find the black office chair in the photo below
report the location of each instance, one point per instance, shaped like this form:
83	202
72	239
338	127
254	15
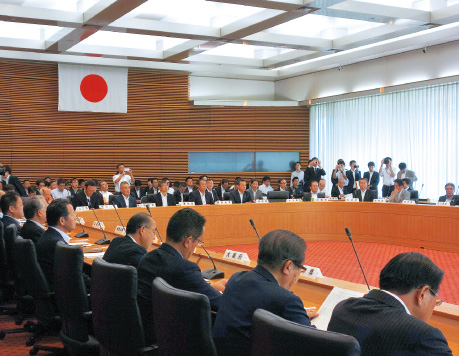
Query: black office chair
414	195
182	321
115	314
275	336
278	196
186	196
226	196
6	282
111	199
144	199
30	273
72	301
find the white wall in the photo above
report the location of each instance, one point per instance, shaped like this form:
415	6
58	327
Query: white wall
206	88
441	61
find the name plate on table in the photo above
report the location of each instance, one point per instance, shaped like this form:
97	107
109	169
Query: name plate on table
261	201
293	200
223	202
408	202
380	200
322	199
236	256
98	225
81	208
144	205
442	203
312	272
106	207
333	198
353	200
80	220
120	230
186	203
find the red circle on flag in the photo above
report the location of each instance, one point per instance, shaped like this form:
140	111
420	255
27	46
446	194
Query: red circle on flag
94	88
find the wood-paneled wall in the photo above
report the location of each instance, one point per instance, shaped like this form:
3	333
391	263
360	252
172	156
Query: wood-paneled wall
153	138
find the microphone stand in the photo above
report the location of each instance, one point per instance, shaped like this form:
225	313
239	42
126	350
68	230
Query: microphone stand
348	233
156	229
211	273
255	228
83	233
103	241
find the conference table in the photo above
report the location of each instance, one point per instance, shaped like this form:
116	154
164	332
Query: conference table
421	226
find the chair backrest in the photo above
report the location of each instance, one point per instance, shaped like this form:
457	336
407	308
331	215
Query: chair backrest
3	259
30	274
10	236
278	195
182	321
226	196
115	314
186	196
275	336
70	291
414	195
111	199
144	199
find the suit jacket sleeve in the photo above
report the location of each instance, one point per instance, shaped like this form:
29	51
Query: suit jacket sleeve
294	311
433	344
233	197
193	281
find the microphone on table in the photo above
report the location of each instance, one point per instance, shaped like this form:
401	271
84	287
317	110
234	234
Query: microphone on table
157	231
212	273
255	228
421	190
114	206
83	233
103	241
348	233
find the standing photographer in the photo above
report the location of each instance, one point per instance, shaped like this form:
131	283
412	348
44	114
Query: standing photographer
353	177
387	175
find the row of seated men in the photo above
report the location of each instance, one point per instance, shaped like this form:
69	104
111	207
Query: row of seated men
301	183
391	320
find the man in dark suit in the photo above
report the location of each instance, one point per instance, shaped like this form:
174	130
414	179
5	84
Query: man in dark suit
125	199
353	176
137	191
179	194
14	181
280	262
170	262
211	190
61	220
201	196
35	213
129	249
314	172
282	187
163	198
450	197
239	195
152	186
339	191
313	192
222	188
74	187
12	209
189	185
364	194
296	192
393	320
372	178
88	197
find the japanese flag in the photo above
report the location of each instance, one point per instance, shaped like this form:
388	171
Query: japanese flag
92	88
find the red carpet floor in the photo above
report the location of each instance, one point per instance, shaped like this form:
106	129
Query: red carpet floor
14	344
337	260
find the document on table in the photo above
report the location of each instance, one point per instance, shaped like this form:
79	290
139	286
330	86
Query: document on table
94	255
80	244
325	312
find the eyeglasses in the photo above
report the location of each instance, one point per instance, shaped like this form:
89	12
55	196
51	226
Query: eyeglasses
438	301
297	265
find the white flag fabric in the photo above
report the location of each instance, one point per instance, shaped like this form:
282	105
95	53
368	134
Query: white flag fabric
92	88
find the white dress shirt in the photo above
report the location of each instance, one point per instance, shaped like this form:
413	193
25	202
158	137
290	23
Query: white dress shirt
266	188
241	195
203	198
126	178
126	200
299	174
57	194
387	179
164	199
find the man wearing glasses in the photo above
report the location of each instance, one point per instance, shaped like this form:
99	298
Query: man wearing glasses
393	319
267	286
185	232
